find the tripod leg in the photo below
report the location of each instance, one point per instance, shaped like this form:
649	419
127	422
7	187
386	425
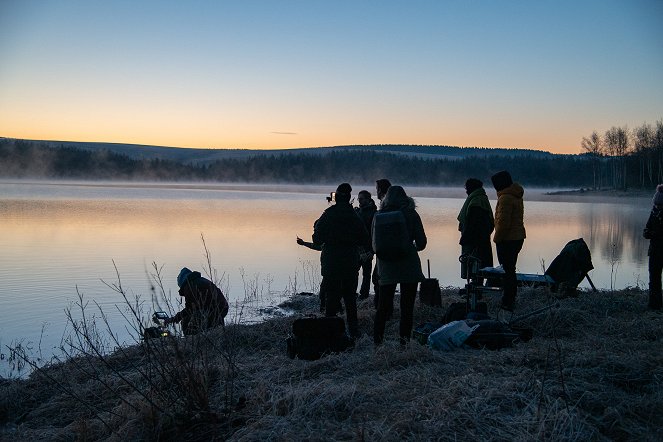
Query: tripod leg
590	282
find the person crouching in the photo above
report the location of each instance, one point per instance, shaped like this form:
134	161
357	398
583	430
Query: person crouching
205	306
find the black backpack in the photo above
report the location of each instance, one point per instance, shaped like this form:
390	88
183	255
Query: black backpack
495	335
391	239
313	337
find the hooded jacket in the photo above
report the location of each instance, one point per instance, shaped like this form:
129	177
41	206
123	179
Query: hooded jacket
205	305
509	213
407	269
654	229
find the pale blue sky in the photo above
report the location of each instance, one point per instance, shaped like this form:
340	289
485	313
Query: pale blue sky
267	74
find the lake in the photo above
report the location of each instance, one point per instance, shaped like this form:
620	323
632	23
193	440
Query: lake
62	239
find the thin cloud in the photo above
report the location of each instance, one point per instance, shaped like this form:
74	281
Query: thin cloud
285	133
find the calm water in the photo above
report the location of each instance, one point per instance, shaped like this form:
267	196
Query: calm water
58	239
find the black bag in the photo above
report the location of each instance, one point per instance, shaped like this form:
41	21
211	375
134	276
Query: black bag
459	311
430	293
571	266
315	336
494	335
391	239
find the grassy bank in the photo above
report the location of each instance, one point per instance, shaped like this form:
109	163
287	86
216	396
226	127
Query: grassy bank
593	371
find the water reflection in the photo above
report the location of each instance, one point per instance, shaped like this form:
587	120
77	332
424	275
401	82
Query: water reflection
56	239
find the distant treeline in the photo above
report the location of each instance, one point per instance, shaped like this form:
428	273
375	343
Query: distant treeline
22	159
623	158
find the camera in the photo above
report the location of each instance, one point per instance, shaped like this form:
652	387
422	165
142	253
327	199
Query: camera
331	197
160	316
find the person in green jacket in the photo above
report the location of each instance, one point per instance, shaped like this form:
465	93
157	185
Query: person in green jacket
476	223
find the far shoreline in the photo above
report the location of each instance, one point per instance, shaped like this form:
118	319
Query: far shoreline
532	193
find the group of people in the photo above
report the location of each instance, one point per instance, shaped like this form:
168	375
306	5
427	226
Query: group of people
346	238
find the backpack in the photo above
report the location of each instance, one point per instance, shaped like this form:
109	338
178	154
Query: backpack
391	239
571	266
313	337
495	335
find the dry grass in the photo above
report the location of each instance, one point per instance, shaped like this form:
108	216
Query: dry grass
593	371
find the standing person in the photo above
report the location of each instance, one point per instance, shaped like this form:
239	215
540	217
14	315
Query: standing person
205	306
404	269
365	211
509	232
381	187
321	293
340	233
476	223
654	233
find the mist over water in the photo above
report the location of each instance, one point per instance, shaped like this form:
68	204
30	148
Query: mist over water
60	238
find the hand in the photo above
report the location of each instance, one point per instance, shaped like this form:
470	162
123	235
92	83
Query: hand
300	241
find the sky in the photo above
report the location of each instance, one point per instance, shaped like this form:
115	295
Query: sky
289	74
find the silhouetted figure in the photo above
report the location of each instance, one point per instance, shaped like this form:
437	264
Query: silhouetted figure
654	233
381	187
340	232
366	210
205	306
509	232
476	223
404	269
321	294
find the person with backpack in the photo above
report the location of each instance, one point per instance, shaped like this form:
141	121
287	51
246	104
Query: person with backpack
476	223
509	232
398	236
205	306
341	233
366	211
654	233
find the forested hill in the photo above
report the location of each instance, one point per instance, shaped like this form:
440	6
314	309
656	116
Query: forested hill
423	165
206	156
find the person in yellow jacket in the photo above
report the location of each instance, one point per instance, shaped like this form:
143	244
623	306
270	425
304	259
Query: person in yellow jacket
509	233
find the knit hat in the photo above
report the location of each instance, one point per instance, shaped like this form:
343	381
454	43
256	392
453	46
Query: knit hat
181	278
501	180
658	196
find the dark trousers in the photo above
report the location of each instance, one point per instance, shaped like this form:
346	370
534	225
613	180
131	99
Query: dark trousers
366	270
507	255
376	285
655	270
386	307
345	288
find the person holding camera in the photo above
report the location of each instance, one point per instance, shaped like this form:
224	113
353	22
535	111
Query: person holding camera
340	233
205	307
654	233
